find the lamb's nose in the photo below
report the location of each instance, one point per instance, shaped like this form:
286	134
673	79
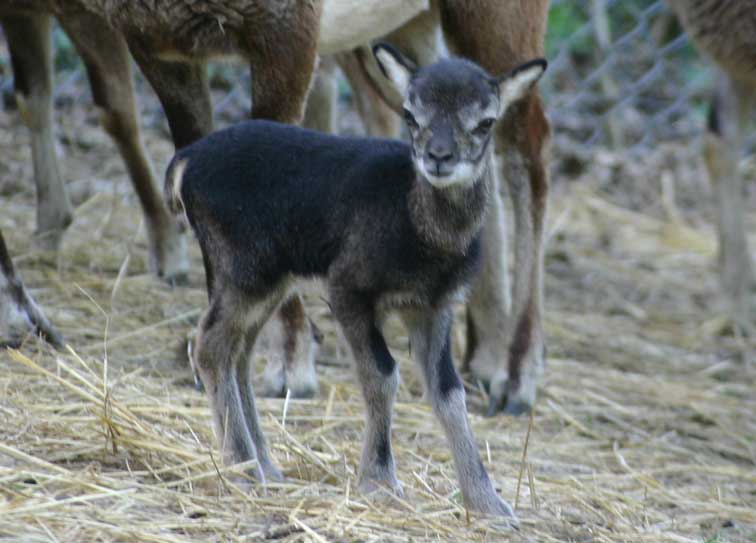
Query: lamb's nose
440	154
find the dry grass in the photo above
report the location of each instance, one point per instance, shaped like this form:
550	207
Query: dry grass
644	429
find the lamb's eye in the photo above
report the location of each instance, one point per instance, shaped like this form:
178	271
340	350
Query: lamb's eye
409	118
484	127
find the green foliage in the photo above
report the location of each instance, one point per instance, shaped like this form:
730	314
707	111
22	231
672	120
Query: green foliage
565	19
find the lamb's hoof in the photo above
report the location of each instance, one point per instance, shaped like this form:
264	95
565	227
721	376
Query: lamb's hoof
502	509
492	505
271	473
381	490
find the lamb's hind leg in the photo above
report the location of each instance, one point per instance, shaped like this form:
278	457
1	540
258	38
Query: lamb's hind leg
379	379
31	56
108	66
431	347
722	149
19	313
225	338
498	35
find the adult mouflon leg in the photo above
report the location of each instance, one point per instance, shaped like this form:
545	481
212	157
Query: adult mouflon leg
290	368
31	57
430	343
498	37
488	309
379	379
107	61
731	113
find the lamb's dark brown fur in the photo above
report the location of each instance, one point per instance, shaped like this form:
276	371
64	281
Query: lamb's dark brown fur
385	225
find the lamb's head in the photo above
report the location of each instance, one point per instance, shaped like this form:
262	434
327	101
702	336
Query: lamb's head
450	108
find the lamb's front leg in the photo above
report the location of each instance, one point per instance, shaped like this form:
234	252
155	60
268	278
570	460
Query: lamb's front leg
431	347
379	379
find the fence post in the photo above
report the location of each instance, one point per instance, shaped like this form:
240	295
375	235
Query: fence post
603	33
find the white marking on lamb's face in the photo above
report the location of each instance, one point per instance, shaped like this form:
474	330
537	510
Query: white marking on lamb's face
462	175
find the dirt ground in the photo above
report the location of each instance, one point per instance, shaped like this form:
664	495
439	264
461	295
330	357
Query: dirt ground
644	429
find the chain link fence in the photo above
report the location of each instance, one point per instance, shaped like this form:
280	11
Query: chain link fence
622	75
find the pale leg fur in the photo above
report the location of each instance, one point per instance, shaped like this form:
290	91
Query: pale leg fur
721	153
322	102
488	309
430	344
514	386
31	55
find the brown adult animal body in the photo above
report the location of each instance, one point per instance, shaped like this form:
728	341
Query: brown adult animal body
171	42
725	30
505	347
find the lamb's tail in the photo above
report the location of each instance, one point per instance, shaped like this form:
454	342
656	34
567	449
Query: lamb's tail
174	178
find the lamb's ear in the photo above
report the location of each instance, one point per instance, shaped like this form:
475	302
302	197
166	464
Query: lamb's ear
514	84
395	66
